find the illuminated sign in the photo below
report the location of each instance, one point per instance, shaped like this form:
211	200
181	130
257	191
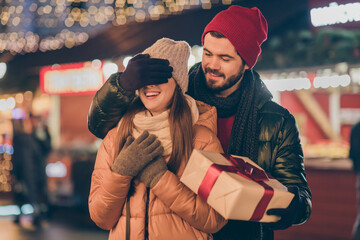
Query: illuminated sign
335	14
72	79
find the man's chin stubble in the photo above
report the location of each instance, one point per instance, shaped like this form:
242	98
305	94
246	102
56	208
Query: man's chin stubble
213	88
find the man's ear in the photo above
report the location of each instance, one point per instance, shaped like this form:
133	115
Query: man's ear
246	67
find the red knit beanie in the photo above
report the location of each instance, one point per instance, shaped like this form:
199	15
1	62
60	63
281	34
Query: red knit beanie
246	29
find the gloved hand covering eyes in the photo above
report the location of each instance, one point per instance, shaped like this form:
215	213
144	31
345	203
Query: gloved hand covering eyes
143	70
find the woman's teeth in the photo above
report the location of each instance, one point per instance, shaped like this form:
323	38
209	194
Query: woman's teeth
151	94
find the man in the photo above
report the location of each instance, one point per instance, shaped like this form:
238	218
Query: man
249	123
354	155
29	159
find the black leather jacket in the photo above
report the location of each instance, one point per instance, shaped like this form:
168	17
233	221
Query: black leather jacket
280	152
108	106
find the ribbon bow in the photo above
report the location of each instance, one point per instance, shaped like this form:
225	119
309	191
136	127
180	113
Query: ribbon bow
245	169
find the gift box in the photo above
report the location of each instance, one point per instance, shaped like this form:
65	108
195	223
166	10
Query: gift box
235	186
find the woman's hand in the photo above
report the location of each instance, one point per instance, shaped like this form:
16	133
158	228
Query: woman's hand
136	154
152	173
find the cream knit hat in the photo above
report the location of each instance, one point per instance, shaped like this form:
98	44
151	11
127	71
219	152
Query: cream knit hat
177	52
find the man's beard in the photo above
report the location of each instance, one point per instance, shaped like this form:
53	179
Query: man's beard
231	81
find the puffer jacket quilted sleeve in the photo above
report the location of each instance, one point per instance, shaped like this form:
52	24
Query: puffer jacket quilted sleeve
108	189
280	151
108	106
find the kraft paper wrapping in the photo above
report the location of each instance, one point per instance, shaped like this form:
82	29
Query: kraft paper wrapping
234	196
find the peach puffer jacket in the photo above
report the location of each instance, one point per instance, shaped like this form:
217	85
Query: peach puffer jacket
174	211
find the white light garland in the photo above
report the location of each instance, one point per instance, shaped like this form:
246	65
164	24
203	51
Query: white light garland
298	80
76	18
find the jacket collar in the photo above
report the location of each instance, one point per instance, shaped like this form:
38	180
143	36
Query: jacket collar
207	116
264	95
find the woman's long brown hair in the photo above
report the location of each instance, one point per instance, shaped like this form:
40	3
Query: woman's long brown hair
181	128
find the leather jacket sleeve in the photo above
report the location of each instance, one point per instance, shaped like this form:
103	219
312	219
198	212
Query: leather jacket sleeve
108	106
289	166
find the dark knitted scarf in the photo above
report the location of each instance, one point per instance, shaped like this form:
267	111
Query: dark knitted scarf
243	103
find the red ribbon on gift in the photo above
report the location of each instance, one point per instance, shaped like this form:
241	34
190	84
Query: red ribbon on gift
245	169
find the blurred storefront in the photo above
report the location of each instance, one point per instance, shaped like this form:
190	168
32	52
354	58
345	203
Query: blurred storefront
323	94
325	102
71	88
12	106
63	100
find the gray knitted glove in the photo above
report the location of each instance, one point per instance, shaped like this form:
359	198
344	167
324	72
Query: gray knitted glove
136	154
152	173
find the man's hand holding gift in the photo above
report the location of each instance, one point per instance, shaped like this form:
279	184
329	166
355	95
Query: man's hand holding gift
288	215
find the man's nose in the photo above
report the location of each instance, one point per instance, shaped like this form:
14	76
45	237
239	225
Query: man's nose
213	63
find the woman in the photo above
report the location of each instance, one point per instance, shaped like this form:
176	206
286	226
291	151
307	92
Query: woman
135	190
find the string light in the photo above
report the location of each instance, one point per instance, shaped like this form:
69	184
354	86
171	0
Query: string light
297	80
76	18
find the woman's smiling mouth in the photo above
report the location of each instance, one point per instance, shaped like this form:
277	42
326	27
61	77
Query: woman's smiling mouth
151	94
